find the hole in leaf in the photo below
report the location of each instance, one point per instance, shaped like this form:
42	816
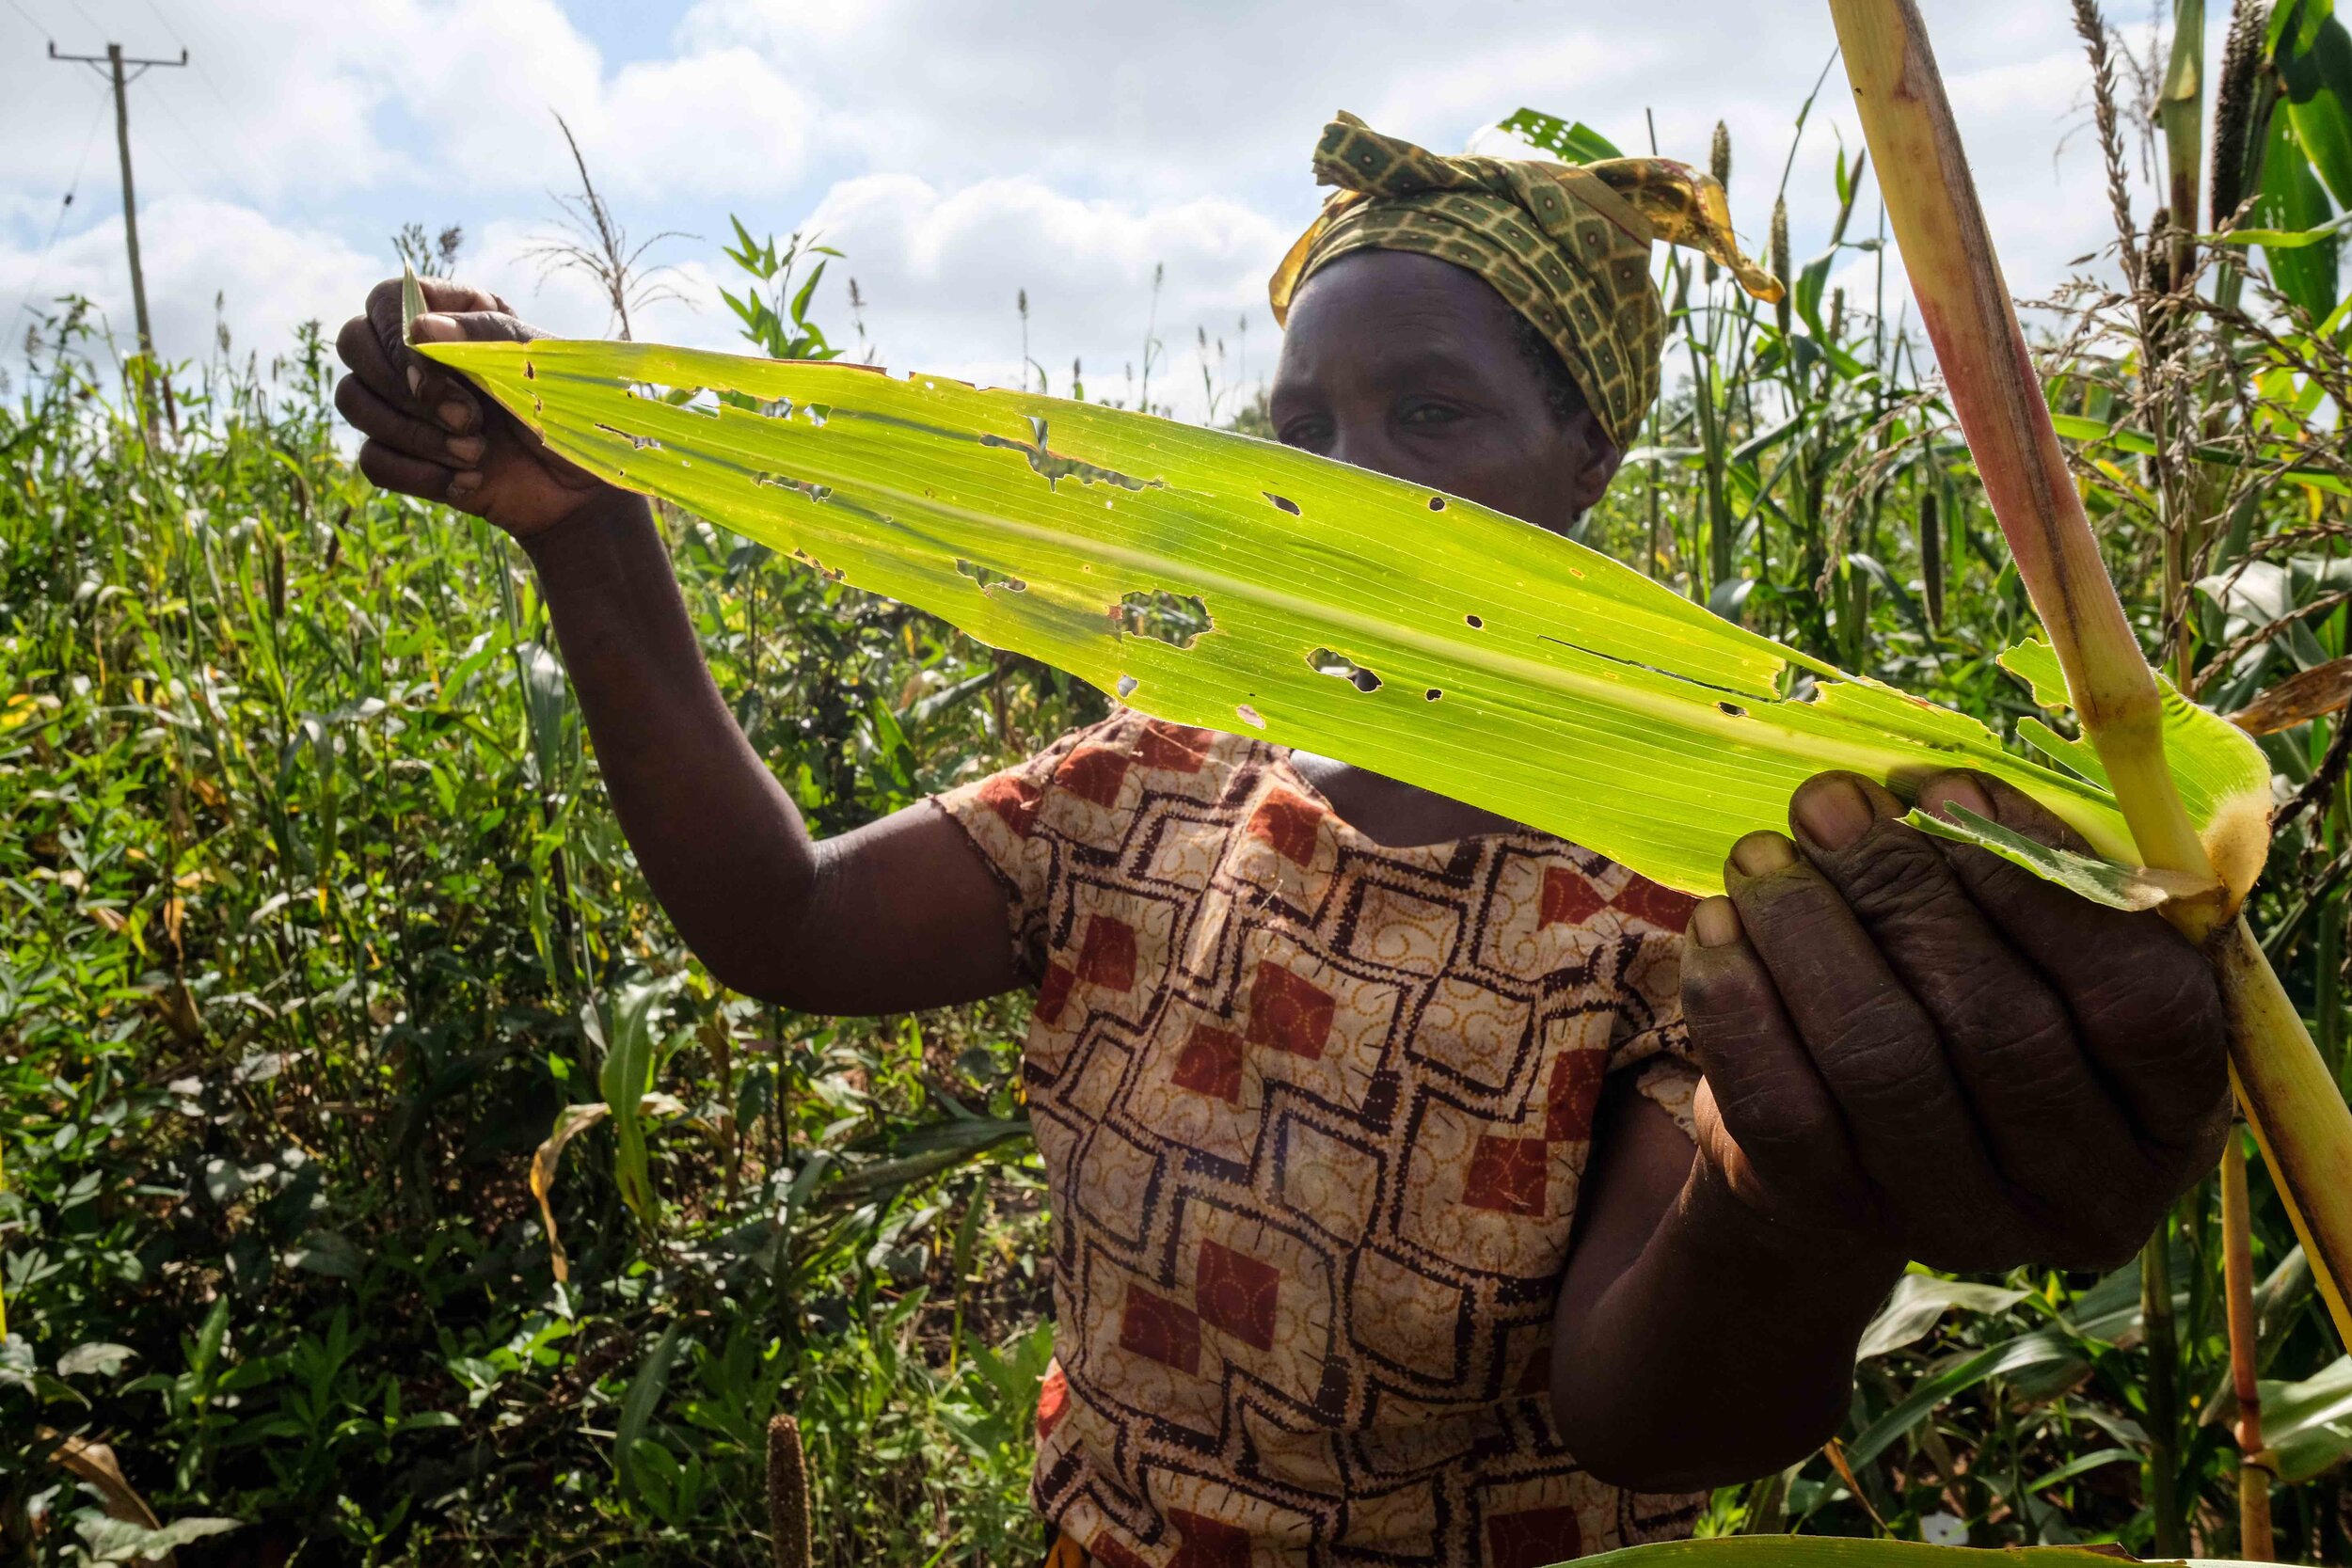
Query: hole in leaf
1734	710
1431	695
640	442
1127	685
784	482
1173	619
530	371
1281	503
1436	503
1327	662
1475	623
700	401
989	577
1250	716
1054	467
818	413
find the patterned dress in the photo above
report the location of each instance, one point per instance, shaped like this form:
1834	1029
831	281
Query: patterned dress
1314	1114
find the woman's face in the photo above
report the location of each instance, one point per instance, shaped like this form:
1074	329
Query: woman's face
1413	368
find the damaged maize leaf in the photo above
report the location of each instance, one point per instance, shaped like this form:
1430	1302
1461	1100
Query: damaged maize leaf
1330	609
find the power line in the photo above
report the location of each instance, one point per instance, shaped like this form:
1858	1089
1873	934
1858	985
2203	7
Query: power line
173	114
30	21
158	11
213	87
86	16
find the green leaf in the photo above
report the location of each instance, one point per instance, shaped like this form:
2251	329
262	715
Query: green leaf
327	1252
2220	772
98	1356
1496	663
637	1406
1918	1301
2282	239
109	1541
2318	81
1571	142
1829	1551
2295	24
629	1042
2308	1425
2119	887
2292	199
2081	427
412	301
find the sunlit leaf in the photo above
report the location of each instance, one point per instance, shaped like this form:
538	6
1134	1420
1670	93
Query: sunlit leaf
1571	141
1827	1551
1488	661
2120	887
1919	1300
2293	199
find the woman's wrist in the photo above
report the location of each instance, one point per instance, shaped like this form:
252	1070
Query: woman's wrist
1716	1221
607	528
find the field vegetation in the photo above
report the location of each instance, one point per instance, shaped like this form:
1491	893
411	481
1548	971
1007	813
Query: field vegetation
315	929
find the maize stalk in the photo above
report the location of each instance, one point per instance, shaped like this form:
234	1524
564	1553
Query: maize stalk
2257	1469
2300	1120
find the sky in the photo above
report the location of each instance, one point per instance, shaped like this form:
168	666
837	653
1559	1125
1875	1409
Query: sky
956	153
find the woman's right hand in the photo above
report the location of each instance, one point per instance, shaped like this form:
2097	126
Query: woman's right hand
433	436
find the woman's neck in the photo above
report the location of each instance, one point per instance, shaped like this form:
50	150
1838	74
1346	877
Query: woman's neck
1392	814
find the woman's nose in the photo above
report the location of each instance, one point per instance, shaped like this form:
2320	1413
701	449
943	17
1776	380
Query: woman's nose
1368	448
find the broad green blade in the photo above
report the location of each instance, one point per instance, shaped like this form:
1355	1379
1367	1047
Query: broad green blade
1829	1551
2222	775
1408	632
2124	887
412	301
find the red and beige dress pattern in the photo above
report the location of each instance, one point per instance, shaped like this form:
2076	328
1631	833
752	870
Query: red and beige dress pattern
1313	1113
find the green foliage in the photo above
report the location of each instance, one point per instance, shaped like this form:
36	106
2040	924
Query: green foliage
314	924
312	921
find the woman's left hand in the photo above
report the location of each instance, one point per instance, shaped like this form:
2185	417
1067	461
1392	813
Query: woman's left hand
1913	1045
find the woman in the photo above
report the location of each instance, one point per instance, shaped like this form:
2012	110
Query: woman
1423	1193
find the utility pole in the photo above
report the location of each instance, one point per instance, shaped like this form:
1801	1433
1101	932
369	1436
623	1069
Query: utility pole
112	66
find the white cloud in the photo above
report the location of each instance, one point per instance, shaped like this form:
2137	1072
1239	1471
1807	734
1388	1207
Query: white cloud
288	100
209	264
943	272
957	153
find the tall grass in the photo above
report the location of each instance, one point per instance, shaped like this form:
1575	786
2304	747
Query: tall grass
308	897
305	890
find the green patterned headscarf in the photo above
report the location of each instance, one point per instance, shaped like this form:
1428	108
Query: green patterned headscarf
1568	245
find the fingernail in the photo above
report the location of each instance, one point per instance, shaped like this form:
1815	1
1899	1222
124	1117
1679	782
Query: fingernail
457	414
1834	812
1715	923
1762	853
1960	790
466	449
416	381
465	483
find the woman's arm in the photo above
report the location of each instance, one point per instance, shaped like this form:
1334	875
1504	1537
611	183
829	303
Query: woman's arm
1692	1347
898	915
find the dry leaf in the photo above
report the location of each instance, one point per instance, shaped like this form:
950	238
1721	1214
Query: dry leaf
2298	698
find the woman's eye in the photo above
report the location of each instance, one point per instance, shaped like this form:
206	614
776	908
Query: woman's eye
1428	414
1306	434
